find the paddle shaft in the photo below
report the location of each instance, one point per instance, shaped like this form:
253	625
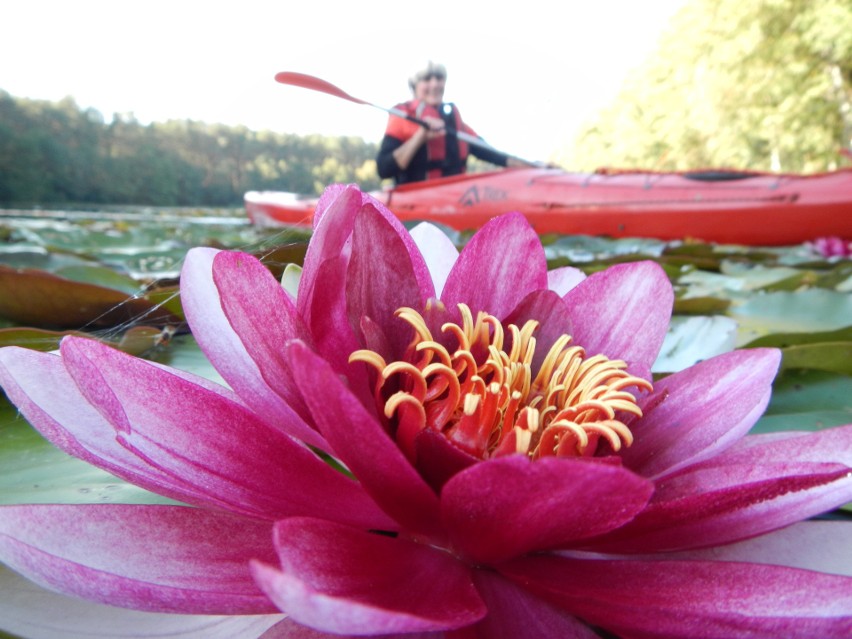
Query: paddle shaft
318	84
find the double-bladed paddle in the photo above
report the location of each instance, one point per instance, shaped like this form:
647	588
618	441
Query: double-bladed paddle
318	84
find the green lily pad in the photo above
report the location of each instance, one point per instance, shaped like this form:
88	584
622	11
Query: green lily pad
167	299
700	305
699	283
690	340
827	356
34	338
784	312
36	298
761	277
136	340
807	400
277	258
185	354
100	276
782	340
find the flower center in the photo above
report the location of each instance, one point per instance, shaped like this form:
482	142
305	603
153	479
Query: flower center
483	397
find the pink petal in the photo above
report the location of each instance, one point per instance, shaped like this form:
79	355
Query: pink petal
711	506
381	278
289	629
154	558
623	313
421	271
437	459
812	545
207	441
329	199
500	265
714	600
333	223
510	506
764	483
328	255
562	279
700	411
29	611
48	397
438	250
827	445
322	287
364	447
221	294
342	580
514	613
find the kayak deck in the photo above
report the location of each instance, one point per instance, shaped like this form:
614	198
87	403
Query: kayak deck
715	206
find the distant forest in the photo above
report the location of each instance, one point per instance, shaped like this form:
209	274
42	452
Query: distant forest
58	153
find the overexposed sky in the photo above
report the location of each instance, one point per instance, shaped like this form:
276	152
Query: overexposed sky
525	74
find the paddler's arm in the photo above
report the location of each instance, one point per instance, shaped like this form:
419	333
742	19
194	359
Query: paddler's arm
404	154
498	158
513	162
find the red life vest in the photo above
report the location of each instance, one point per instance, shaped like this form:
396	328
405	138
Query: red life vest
436	150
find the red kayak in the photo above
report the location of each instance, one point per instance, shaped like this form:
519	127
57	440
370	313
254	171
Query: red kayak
715	206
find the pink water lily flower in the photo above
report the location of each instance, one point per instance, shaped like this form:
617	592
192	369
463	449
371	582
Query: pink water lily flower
423	443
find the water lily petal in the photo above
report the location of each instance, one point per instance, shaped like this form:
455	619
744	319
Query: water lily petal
827	445
363	446
513	613
438	459
339	579
220	293
714	600
500	265
381	278
812	545
289	629
334	218
716	505
48	397
30	611
623	313
698	412
322	288
562	279
746	490
154	558
333	223
242	280
510	506
210	442
329	199
438	251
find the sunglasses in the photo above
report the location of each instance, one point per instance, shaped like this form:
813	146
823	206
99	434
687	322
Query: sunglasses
431	76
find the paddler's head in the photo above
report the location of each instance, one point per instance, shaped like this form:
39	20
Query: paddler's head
428	83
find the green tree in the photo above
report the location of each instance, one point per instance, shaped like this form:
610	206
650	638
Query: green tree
762	85
58	153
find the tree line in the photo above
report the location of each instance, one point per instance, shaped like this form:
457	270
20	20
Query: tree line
763	84
57	152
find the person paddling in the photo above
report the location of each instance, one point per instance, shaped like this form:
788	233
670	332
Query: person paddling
411	152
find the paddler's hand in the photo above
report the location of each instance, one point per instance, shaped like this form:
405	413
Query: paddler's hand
435	128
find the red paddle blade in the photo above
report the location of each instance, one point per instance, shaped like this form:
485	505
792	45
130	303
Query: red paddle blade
314	84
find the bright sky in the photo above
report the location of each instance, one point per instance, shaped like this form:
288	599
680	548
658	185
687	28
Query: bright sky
525	75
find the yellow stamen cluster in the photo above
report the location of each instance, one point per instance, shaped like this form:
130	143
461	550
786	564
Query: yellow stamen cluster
485	400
